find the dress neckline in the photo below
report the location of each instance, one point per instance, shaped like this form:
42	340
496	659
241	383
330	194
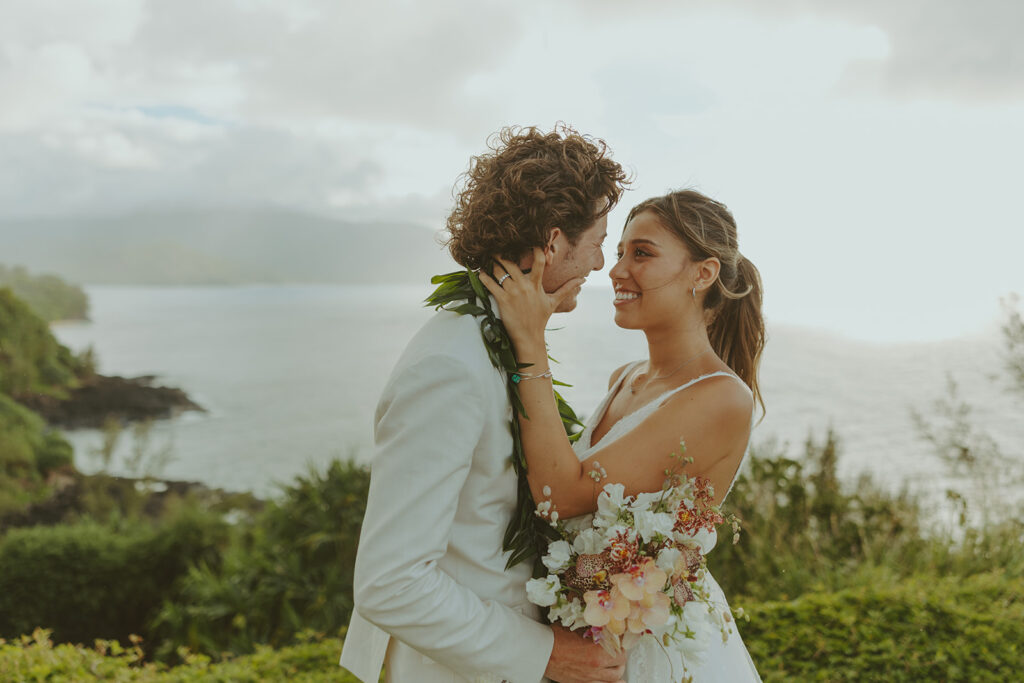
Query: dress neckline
602	407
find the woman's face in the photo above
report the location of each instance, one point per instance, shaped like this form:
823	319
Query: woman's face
652	275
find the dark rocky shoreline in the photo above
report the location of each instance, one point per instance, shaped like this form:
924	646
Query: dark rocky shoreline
101	397
76	495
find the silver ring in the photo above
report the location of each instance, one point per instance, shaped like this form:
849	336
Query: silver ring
503	278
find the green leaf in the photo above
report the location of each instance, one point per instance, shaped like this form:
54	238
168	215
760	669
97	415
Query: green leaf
447	277
526	533
467	309
478	287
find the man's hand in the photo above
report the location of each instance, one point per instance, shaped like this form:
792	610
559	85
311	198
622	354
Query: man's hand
576	660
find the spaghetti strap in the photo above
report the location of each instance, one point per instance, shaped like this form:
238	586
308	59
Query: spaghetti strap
720	373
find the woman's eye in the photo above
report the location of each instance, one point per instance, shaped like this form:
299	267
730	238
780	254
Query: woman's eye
640	252
618	255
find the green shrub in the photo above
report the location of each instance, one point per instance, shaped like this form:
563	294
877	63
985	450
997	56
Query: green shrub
88	581
54	452
921	629
31	358
805	532
924	629
291	571
36	658
28	451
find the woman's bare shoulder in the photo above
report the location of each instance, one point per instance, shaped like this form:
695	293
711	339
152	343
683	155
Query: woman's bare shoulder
721	399
616	373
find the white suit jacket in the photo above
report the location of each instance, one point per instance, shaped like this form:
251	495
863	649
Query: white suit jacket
432	595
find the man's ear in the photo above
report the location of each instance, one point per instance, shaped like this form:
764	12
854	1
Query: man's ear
551	248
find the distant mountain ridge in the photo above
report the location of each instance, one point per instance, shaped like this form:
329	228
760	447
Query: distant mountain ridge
222	246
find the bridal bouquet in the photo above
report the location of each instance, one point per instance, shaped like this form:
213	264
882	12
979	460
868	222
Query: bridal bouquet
636	566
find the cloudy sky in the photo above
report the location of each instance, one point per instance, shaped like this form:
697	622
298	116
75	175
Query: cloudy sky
871	150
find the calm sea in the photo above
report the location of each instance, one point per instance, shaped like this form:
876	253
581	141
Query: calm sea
290	376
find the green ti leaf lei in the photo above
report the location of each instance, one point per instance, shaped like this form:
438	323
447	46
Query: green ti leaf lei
527	535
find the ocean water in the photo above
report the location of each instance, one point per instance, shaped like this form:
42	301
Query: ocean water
290	376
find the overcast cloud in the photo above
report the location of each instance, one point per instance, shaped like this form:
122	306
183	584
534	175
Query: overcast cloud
870	150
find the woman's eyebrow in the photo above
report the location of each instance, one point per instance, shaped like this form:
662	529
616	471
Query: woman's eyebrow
641	240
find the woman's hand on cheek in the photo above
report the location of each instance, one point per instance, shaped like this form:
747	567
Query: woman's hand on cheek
525	306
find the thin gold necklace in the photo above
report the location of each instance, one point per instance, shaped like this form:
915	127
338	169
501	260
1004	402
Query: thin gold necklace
632	384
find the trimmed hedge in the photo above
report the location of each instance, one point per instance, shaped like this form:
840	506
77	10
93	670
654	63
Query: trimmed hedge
922	629
35	658
86	580
926	628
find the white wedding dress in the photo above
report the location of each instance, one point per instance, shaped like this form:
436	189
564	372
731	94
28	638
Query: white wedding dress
649	662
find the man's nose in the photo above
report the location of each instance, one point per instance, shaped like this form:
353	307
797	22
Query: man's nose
599	263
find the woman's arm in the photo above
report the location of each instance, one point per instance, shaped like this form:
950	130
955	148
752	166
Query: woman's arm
712	417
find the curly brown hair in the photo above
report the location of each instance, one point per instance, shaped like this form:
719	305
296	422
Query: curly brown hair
529	183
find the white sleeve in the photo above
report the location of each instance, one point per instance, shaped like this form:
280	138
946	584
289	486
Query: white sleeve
429	421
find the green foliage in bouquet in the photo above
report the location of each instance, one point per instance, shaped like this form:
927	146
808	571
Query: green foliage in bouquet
49	296
290	571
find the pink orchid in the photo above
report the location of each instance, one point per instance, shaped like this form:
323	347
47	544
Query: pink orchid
640	580
607	609
648	613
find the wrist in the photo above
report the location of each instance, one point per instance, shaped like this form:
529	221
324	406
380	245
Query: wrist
531	350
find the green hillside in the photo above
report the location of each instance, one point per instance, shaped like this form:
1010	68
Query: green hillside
225	246
49	296
31	359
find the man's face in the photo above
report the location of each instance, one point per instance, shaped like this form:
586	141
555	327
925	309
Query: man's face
573	261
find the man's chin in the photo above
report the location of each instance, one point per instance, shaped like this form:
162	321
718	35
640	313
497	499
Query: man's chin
568	304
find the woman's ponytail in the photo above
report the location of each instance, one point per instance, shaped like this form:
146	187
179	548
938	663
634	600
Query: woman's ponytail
737	331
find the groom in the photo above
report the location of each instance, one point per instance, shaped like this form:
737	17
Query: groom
433	599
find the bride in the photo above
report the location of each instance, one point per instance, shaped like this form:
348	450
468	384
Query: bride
680	279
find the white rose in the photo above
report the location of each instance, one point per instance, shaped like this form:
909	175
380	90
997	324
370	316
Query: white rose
645	501
650	524
557	558
589	542
705	540
609	503
695	620
575	525
569	612
543	592
667	559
